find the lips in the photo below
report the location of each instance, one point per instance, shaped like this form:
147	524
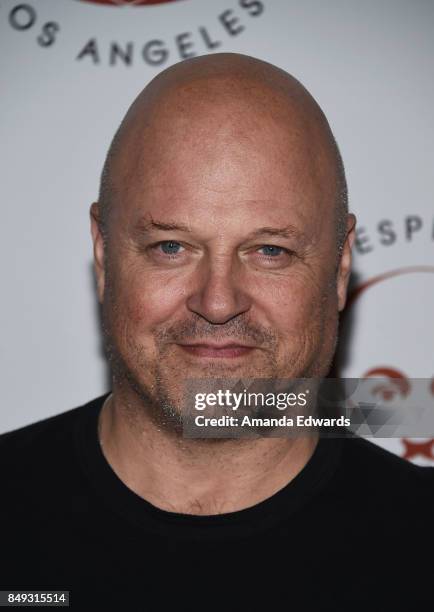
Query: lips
228	350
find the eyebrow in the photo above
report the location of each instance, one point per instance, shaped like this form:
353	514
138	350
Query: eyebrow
147	226
288	231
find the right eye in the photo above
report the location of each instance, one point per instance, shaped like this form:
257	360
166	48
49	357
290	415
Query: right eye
170	248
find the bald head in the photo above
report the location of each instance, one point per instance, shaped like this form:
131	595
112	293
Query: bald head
220	199
231	96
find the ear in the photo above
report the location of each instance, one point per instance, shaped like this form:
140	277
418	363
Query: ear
98	249
344	268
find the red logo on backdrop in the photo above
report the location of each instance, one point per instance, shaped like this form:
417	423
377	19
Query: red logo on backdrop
128	2
399	383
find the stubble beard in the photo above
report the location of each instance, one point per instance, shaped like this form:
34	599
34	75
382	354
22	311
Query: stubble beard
161	399
157	400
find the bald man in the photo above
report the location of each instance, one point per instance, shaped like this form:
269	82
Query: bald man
222	249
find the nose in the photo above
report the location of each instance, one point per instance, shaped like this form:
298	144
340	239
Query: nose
220	292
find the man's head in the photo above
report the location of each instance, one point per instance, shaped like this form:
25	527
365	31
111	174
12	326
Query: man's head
222	218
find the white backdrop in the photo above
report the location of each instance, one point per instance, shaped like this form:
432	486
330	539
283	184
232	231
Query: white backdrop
69	71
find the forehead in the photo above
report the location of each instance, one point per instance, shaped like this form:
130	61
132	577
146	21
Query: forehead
200	154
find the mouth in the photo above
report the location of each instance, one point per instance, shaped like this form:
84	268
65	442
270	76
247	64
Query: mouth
229	350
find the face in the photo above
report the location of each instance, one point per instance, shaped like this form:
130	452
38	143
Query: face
221	257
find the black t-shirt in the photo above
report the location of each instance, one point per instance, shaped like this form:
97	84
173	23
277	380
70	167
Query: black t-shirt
353	530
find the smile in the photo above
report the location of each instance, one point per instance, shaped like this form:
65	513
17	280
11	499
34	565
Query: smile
226	351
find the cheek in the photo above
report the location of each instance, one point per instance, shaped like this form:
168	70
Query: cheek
305	317
297	304
144	302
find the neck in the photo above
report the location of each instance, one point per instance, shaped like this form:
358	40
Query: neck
201	477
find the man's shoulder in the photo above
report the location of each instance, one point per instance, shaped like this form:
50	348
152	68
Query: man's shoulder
368	453
40	471
379	474
41	439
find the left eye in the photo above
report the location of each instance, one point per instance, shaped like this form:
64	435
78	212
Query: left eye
169	247
272	251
